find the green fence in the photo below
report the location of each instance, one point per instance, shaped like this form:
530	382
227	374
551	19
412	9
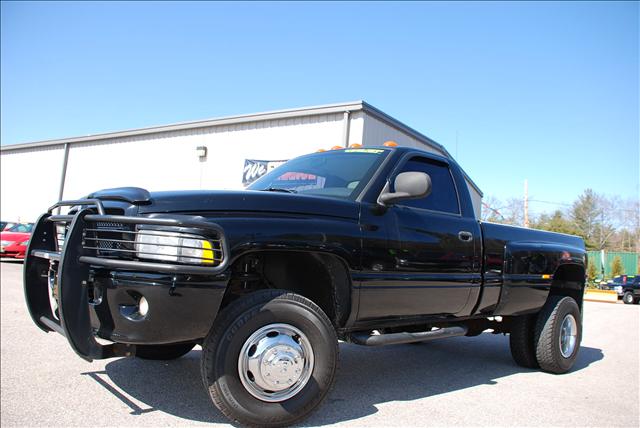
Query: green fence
629	261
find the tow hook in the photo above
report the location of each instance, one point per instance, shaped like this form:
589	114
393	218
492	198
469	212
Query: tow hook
94	291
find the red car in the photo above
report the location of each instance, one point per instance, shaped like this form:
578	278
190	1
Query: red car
14	241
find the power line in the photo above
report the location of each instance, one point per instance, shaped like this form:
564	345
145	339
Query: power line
550	202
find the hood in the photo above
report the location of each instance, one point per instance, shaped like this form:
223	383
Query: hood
249	201
14	236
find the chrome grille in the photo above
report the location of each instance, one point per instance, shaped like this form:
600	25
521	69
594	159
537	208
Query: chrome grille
111	240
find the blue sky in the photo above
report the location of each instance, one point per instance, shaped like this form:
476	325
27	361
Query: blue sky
543	91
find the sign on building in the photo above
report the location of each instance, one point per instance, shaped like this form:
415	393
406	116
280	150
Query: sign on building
254	169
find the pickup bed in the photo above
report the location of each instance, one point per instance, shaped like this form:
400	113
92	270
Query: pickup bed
374	246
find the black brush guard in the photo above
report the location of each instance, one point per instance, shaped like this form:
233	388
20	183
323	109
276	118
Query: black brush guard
70	268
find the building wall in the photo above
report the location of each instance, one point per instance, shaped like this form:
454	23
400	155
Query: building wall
167	160
29	182
271	140
476	199
161	161
377	132
356	127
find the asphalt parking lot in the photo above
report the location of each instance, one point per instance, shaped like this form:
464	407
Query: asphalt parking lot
457	381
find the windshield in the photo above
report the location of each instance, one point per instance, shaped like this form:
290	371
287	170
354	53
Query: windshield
23	228
337	173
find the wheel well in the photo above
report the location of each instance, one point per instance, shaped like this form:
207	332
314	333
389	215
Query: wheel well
322	278
569	280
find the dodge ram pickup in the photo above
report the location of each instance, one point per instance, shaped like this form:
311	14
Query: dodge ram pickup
373	246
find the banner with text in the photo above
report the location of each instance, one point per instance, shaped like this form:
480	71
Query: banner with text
254	169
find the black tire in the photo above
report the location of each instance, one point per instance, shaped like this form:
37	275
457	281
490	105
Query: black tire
234	325
163	352
627	298
548	331
521	341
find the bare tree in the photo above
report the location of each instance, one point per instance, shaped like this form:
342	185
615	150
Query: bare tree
514	211
604	222
491	210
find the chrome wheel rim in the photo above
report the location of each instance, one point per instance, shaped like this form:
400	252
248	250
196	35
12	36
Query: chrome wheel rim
568	336
275	362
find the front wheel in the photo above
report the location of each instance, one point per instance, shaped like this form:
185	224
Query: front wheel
270	359
558	334
628	298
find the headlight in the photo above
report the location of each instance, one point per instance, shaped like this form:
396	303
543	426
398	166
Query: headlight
173	247
25	243
6	243
61	233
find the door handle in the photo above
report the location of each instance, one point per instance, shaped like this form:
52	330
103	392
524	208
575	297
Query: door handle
465	236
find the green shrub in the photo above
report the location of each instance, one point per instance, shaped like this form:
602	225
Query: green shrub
616	266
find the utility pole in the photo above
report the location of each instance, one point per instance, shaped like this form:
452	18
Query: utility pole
526	203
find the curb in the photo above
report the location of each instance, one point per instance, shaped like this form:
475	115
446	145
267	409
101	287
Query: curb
607	296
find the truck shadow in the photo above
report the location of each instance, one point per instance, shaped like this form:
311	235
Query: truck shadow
366	378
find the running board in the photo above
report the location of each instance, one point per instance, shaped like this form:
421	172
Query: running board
398	338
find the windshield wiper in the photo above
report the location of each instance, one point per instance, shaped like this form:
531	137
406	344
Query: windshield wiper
276	189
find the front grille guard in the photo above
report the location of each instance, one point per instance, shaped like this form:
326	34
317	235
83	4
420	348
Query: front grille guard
71	270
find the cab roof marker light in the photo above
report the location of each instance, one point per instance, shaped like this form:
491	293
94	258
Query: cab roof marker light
390	143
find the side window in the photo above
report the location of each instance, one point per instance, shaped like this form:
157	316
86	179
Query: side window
443	195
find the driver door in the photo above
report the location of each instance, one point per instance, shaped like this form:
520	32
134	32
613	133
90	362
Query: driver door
433	255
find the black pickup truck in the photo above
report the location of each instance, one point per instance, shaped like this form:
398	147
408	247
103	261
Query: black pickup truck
373	246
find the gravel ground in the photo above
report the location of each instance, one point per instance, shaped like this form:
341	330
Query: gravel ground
453	382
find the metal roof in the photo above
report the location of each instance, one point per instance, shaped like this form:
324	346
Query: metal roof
243	118
226	120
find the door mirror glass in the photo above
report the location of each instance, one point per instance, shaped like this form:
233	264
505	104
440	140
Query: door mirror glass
407	185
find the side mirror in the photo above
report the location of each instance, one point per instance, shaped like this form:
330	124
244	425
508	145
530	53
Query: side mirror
408	185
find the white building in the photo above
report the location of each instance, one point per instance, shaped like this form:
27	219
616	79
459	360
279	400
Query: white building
36	175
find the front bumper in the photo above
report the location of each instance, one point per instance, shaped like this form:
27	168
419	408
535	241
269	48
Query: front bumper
181	307
98	296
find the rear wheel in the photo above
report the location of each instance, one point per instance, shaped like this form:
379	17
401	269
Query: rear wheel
558	334
270	359
627	298
163	352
